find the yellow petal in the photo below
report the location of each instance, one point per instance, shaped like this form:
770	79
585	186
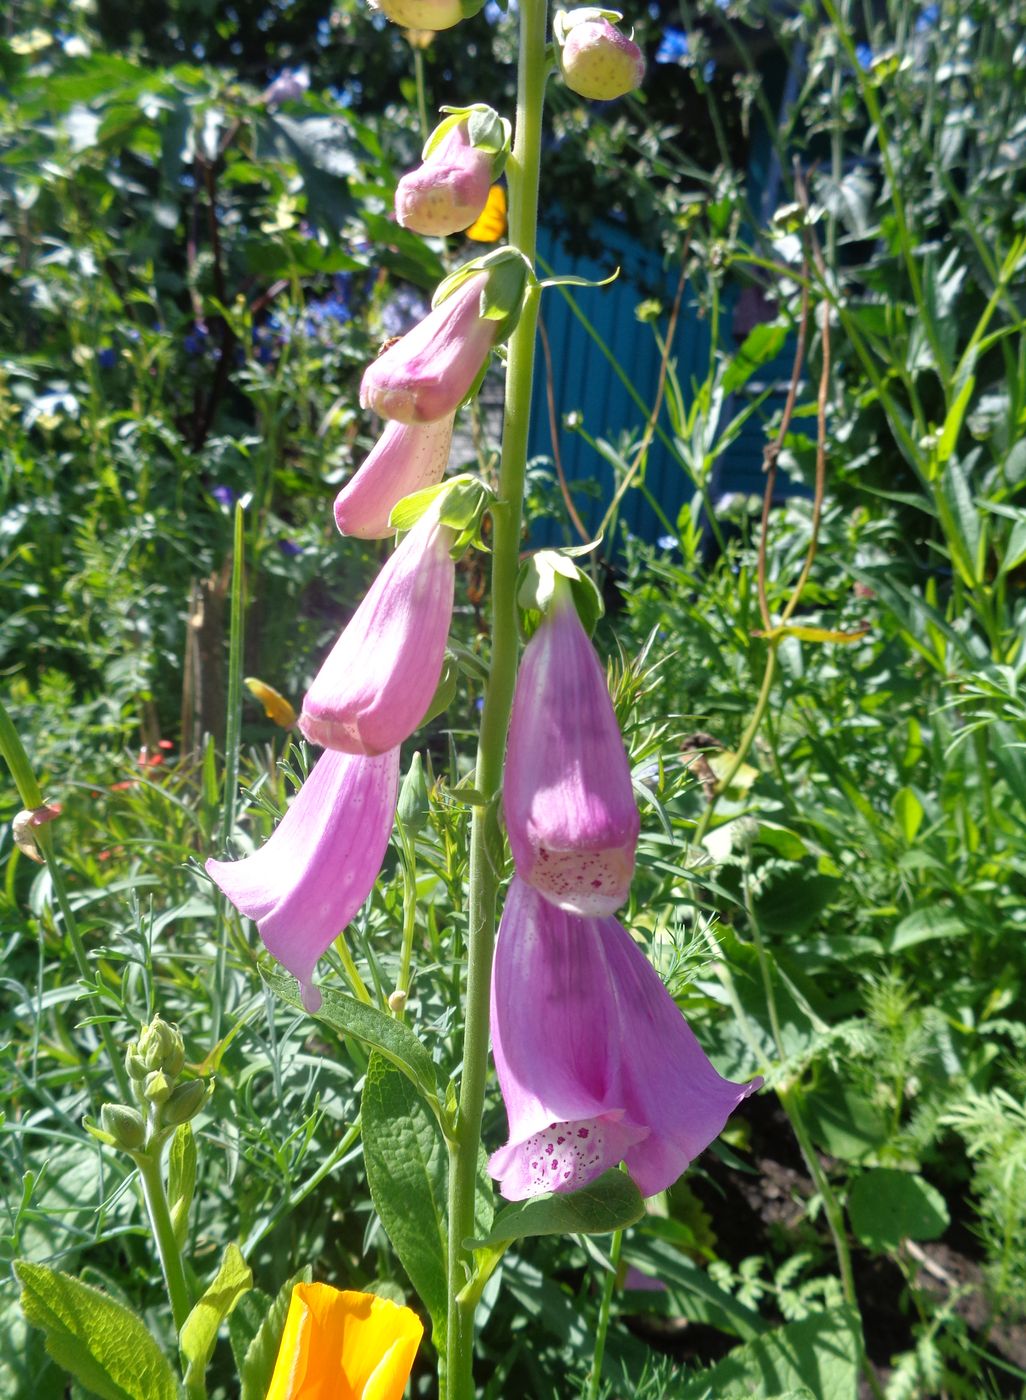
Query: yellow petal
275	705
490	224
815	634
344	1346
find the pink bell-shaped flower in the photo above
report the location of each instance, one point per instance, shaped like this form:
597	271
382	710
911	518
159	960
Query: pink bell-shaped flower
406	458
381	675
595	1061
309	880
428	373
569	805
449	191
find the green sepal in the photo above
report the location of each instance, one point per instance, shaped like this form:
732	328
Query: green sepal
539	578
414	801
460	502
486	130
444	690
509	278
471	7
572	281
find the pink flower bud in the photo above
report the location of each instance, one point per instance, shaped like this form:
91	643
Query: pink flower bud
381	676
570	810
449	191
598	61
421	14
406	458
309	880
428	373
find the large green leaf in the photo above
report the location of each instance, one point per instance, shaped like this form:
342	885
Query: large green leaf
199	1332
820	1354
391	1038
405	1157
887	1206
97	1340
612	1202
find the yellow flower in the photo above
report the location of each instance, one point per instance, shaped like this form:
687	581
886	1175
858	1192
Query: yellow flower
490	224
275	705
344	1346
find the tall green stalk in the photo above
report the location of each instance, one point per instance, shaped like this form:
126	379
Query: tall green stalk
485	841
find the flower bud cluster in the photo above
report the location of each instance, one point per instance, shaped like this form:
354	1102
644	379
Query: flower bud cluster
154	1060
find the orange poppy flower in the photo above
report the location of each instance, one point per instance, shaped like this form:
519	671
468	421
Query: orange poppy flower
344	1346
490	224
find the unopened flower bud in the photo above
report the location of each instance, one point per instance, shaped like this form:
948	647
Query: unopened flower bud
597	61
160	1047
462	157
125	1125
397	1001
134	1062
24	826
414	803
157	1088
185	1102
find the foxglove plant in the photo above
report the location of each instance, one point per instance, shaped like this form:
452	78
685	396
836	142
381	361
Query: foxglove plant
596	60
596	1063
375	687
309	880
406	458
569	804
462	158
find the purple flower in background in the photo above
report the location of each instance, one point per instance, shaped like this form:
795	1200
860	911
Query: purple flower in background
309	880
289	548
290	85
106	357
595	1061
864	54
568	800
404	308
927	19
195	342
406	458
674	46
375	687
224	496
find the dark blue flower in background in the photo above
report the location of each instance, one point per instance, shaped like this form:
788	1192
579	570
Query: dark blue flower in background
224	496
864	54
107	357
196	340
927	19
289	548
674	46
404	308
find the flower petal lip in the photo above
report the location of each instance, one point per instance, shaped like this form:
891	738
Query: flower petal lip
568	798
449	190
421	14
309	879
595	1061
379	679
406	458
428	373
343	1345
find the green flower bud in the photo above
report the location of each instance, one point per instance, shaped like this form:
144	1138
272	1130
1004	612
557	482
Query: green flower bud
160	1047
125	1125
134	1063
157	1088
413	798
185	1102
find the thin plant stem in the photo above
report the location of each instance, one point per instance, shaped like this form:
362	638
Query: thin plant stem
233	729
418	73
164	1237
356	982
30	793
605	1308
485	840
409	865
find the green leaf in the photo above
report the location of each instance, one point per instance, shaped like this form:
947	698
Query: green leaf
258	1367
762	344
383	1033
887	1206
199	1332
694	1293
923	925
103	1345
908	811
819	1354
612	1202
405	1157
181	1179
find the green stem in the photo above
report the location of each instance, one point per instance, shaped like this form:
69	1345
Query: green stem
418	72
747	739
233	730
164	1237
605	1308
356	983
30	793
409	864
485	839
